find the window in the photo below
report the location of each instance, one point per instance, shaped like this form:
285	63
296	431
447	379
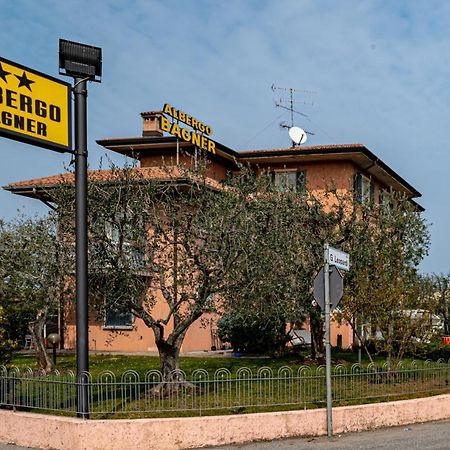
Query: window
116	315
112	232
385	199
130	250
115	319
364	189
293	181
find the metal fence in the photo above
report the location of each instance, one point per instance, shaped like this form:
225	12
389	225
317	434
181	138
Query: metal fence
136	394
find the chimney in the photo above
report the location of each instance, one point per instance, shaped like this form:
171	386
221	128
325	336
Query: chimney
151	123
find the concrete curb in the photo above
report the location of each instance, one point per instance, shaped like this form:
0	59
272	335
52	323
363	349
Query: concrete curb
52	432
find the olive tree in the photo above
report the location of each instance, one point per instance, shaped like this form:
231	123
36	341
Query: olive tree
33	270
383	289
272	280
441	291
164	236
7	345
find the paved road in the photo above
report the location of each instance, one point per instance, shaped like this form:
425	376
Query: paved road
433	435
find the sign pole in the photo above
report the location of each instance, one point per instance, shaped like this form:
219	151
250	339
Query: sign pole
328	290
326	277
82	344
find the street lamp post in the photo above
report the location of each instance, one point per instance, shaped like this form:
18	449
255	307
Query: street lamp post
54	339
83	63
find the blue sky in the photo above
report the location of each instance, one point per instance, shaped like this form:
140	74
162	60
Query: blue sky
380	70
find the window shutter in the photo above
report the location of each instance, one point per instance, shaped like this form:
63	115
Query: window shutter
301	181
372	193
357	187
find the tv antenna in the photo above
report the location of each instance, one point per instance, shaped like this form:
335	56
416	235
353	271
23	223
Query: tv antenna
297	135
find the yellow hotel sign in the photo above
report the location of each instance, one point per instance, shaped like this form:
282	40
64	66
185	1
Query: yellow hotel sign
196	137
34	107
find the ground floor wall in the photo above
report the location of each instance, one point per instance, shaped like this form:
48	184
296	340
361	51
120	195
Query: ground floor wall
201	336
341	334
54	432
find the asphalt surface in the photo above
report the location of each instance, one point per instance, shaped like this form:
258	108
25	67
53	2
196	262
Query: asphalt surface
432	435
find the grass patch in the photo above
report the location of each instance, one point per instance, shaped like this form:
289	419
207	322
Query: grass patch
227	392
120	363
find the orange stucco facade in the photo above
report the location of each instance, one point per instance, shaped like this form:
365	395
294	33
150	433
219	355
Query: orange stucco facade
140	338
324	167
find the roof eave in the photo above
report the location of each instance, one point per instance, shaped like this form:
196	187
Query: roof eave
135	146
352	149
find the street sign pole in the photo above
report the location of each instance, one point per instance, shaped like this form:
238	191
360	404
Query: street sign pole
328	289
82	344
327	341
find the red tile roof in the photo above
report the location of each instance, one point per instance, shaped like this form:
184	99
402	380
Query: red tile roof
326	147
156	173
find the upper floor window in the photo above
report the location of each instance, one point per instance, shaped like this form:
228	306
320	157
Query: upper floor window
119	234
112	232
385	199
364	189
289	181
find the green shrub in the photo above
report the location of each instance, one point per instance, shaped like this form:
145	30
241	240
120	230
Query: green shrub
434	351
258	336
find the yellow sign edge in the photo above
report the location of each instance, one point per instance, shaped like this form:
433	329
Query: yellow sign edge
34	140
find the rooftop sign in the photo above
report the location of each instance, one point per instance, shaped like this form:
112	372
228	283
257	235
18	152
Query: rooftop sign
196	136
34	107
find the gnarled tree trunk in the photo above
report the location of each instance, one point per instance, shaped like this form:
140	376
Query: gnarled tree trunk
169	356
37	331
317	335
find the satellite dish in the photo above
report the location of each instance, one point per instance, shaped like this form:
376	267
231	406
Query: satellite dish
297	135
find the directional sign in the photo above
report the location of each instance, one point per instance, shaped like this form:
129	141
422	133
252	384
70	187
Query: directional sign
34	107
338	258
336	287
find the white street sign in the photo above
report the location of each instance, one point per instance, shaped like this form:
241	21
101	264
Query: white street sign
338	258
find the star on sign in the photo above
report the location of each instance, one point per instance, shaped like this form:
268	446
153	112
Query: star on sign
24	81
3	73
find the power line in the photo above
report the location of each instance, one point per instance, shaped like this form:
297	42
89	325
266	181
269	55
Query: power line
264	129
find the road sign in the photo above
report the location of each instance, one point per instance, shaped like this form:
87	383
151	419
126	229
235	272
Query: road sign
34	107
336	287
338	258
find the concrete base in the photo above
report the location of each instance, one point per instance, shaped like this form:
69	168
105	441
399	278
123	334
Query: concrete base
51	432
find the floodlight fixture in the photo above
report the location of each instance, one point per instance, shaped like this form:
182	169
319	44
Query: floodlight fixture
80	60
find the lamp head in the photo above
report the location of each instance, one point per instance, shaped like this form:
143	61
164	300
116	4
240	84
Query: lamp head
54	338
80	60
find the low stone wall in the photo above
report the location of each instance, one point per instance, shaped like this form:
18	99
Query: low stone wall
37	430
